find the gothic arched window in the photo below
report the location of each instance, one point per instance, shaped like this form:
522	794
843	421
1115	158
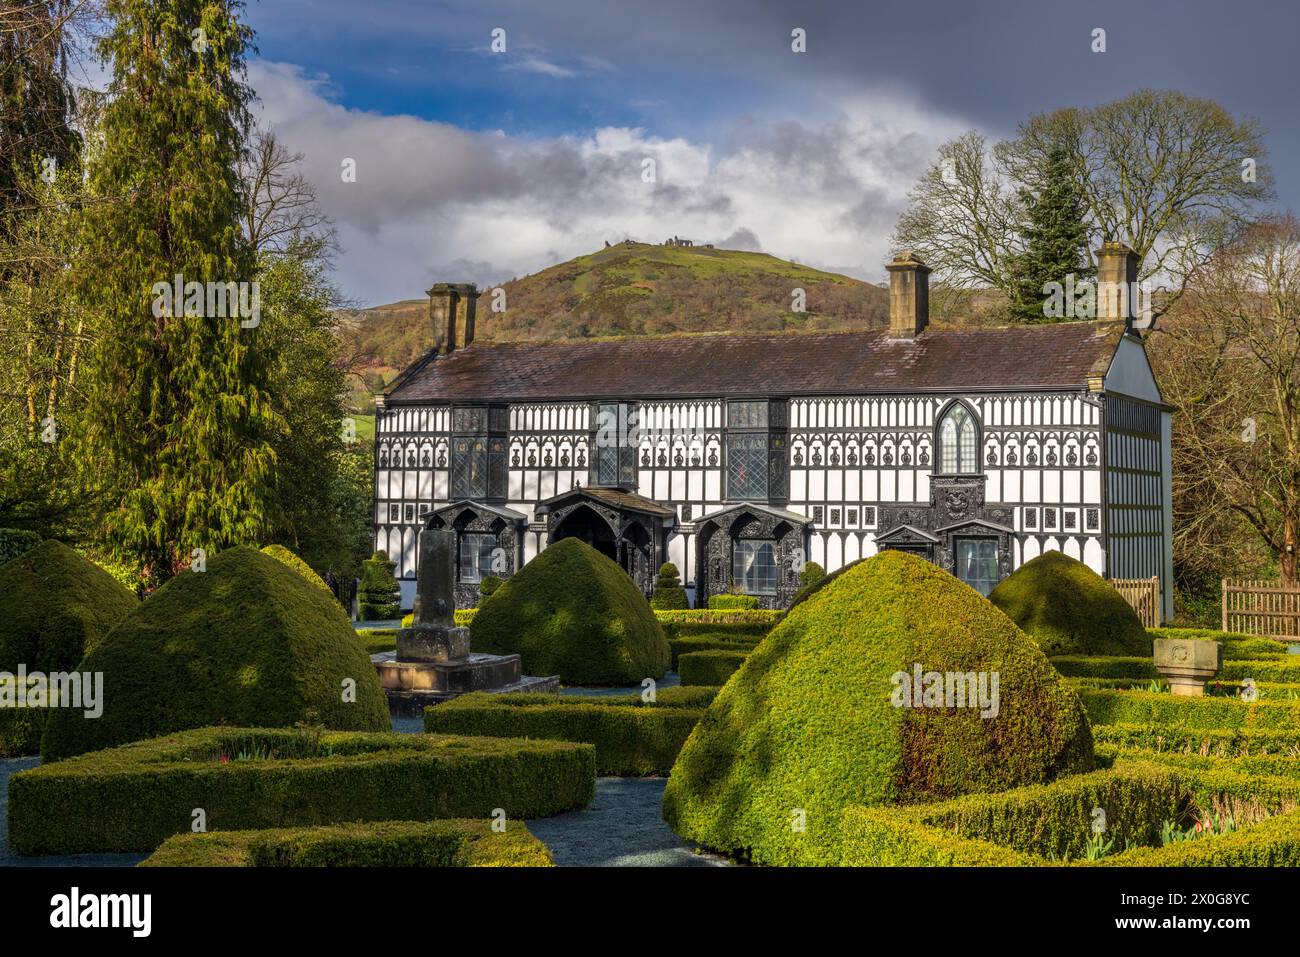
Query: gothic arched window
958	439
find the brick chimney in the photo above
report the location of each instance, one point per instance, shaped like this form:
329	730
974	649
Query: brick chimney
1117	273
451	311
909	296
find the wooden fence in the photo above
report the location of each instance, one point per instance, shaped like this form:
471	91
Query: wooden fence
1144	595
1263	608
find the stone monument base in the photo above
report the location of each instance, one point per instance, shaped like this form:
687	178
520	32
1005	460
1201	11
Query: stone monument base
411	686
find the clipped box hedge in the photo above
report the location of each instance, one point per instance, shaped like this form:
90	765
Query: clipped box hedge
630	737
1235	643
711	641
376	640
758	618
1105	706
1051	824
1283	669
1220	741
709	667
1012	828
452	843
132	797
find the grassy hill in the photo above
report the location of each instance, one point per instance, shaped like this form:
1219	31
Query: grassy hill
632	289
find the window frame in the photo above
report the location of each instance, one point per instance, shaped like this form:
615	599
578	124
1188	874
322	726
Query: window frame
957	544
743	545
976	465
462	540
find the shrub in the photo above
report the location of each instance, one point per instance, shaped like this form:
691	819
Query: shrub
378	596
574	613
56	606
808	722
709	667
1080	666
710	641
488	586
1274	842
248	641
463	617
1021	826
376	640
669	593
453	843
630	738
1228	742
733	602
282	554
133	797
809	579
15	541
1105	706
20	728
717	622
1069	609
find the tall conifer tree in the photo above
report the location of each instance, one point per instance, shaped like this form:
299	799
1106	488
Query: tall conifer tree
178	419
1055	234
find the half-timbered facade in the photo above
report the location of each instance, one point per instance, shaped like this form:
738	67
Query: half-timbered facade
740	457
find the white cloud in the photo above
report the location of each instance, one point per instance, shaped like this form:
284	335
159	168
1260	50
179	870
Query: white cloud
434	202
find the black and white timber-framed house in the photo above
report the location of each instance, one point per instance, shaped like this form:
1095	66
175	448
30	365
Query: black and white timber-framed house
740	456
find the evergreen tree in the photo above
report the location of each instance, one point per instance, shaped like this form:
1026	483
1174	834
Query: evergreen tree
178	421
1055	235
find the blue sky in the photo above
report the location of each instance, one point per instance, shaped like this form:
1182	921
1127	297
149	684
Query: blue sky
479	165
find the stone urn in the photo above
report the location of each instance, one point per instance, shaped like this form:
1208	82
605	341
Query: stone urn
1188	663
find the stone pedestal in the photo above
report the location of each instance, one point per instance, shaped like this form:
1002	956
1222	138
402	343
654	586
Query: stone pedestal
433	662
432	643
1187	663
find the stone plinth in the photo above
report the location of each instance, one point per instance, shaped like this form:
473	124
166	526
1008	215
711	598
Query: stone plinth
1187	663
432	643
433	662
411	686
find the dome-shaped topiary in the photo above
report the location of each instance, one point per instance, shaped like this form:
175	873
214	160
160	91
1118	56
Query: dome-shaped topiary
1069	609
282	554
56	605
669	593
823	714
574	613
248	642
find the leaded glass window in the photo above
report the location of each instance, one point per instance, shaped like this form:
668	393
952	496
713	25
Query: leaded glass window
476	556
613	457
977	563
747	466
957	443
753	567
469	467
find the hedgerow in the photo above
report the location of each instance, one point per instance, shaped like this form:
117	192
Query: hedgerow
452	843
133	797
631	738
709	667
710	641
1175	713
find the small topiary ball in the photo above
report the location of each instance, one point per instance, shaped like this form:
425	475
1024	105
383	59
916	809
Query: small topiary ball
1069	609
574	613
488	586
668	592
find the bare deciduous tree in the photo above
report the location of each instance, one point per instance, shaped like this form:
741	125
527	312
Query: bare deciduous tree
1230	363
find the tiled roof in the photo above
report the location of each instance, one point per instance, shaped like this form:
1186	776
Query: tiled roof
618	498
1048	356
